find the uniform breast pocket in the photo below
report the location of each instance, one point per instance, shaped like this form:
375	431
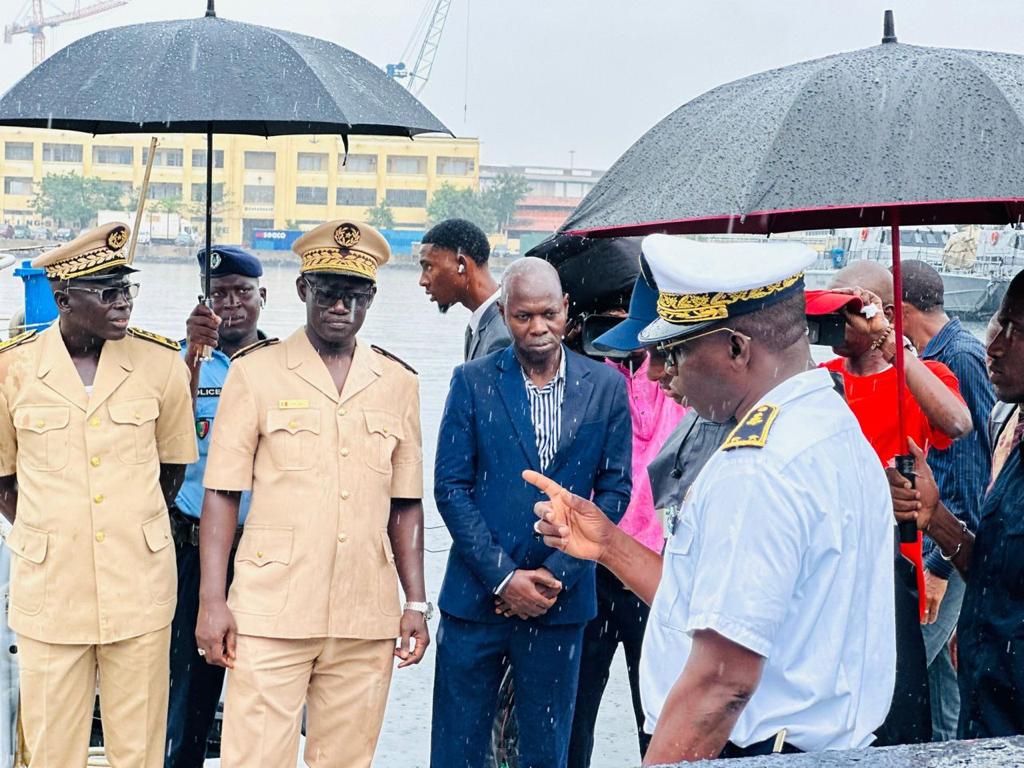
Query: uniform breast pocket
43	440
677	576
384	432
293	436
262	571
135	429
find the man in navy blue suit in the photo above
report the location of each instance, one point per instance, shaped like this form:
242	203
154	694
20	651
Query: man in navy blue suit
507	597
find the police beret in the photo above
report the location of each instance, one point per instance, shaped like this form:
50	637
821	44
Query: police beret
231	260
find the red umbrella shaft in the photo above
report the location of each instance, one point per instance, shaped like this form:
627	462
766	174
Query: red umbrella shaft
897	289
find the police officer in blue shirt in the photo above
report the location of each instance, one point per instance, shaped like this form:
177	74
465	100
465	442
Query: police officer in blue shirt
228	327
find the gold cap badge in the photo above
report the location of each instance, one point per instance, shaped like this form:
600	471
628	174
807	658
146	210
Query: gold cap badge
344	248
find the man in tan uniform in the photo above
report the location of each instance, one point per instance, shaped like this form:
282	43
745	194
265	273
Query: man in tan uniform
95	429
325	432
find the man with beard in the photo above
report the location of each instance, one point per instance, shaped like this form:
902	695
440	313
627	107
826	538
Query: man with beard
990	633
506	596
95	427
324	430
454	270
773	605
227	328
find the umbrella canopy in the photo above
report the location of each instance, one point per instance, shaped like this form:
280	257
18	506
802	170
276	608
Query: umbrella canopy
834	142
204	74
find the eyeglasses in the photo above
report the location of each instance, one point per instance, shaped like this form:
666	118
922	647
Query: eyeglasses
670	349
110	295
329	297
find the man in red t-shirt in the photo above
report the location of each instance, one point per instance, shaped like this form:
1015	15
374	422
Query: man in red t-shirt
934	414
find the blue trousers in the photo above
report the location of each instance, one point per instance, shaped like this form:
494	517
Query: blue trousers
195	685
471	657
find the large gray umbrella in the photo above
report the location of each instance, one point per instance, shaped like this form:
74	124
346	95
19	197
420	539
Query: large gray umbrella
834	142
210	75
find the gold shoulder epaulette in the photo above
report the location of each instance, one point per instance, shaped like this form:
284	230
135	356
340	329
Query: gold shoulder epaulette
752	432
17	341
253	347
390	356
156	338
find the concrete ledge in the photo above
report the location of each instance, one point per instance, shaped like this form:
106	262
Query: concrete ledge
981	753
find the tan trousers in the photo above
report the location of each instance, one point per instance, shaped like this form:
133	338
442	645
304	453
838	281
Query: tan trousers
344	684
58	690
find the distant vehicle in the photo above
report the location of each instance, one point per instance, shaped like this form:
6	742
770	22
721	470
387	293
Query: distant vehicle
144	238
41	233
185	239
64	234
21	232
6	231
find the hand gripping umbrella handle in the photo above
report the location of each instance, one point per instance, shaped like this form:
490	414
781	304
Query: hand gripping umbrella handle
206	351
905	466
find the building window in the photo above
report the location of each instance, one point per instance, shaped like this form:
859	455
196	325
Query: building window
199	192
17	185
358	163
199	158
258	194
312	161
407	198
311	195
409	166
62	153
362	196
19	151
112	155
123	188
260	161
165	157
455	166
163	190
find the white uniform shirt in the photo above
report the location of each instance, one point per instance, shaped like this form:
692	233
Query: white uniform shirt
787	550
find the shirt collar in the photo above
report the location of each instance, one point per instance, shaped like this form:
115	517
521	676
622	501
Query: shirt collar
796	387
942	338
478	313
560	376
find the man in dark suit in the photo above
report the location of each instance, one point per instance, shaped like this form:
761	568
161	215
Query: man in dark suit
454	270
506	596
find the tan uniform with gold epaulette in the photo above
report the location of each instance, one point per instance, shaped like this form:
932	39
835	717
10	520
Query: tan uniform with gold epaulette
315	590
93	578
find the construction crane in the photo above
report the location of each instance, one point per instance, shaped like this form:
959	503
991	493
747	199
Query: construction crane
32	21
417	77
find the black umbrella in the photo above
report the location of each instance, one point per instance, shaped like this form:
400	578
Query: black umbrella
894	134
210	75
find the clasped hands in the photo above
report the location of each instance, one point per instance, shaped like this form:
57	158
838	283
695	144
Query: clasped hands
568	523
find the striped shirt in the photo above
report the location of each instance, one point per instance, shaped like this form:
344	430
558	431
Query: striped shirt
546	412
962	471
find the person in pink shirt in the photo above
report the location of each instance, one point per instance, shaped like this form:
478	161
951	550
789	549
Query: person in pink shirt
621	615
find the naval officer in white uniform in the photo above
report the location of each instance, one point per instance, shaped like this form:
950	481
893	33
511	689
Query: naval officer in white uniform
771	626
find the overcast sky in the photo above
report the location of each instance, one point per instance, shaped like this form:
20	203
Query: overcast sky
536	79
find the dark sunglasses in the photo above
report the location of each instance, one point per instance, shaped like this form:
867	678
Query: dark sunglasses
110	295
326	298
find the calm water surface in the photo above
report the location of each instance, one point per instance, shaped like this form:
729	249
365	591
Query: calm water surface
402	321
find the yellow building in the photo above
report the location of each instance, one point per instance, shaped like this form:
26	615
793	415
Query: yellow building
285	182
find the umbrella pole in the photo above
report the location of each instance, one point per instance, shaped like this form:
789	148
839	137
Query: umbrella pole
904	461
206	354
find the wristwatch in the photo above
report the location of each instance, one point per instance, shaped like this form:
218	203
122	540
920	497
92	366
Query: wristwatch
427	609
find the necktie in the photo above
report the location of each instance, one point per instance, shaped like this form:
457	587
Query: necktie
469	342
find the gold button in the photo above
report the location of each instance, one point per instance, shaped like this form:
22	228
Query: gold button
344	494
100	536
344	451
98	498
342	412
385	430
95	461
40	423
94	422
342	537
259	554
293	424
137	415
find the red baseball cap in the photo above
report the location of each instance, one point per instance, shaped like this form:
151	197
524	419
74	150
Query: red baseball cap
829	302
